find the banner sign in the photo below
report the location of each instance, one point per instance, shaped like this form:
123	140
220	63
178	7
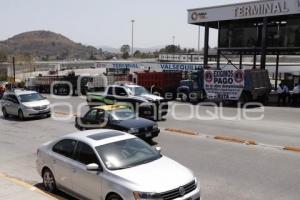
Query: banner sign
224	84
180	67
152	66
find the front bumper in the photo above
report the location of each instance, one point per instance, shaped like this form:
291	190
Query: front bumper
28	112
148	135
194	195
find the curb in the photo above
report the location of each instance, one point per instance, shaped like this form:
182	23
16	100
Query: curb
291	148
28	186
236	140
182	131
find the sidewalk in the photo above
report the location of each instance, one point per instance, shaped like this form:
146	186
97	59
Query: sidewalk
11	189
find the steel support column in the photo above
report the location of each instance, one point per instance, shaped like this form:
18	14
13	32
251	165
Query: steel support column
276	72
218	59
254	60
264	44
241	61
206	45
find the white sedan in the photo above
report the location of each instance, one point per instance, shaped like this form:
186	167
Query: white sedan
113	165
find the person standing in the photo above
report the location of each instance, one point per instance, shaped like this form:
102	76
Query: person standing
283	94
296	94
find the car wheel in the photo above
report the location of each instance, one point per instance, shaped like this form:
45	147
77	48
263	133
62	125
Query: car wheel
21	115
5	114
49	181
114	197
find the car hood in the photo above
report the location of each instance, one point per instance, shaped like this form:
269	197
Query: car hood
158	176
152	97
134	123
44	102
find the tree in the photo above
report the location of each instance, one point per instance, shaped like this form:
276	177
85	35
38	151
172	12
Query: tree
125	48
137	54
125	51
125	55
171	49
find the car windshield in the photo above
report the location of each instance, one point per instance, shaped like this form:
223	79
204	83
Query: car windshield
122	114
127	153
31	97
138	91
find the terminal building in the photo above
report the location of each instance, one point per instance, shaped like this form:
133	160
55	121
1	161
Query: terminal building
256	28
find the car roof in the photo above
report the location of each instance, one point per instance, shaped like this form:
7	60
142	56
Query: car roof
21	92
98	137
112	107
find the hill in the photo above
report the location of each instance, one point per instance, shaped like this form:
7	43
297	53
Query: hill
47	45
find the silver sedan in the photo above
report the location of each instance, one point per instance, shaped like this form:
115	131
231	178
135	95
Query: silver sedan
113	165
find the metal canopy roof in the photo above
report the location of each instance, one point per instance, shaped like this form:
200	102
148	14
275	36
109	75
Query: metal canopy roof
240	11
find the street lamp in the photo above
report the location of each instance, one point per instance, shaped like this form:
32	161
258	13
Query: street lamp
132	23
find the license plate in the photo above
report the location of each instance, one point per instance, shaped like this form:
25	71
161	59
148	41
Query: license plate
148	134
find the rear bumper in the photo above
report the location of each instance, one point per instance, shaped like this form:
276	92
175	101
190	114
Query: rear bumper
153	110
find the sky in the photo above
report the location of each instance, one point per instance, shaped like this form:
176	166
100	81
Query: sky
108	22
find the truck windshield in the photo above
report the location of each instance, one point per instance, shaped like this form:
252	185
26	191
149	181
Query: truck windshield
122	114
138	91
31	97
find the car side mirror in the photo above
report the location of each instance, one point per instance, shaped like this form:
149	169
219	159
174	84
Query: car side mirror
158	149
92	167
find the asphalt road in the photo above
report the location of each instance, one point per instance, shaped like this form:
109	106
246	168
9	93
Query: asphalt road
226	170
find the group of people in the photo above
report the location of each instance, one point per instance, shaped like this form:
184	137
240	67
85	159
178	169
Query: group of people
285	96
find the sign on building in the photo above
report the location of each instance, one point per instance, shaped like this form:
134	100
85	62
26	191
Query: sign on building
224	84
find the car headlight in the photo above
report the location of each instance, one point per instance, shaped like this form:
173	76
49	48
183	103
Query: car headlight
146	195
133	130
155	126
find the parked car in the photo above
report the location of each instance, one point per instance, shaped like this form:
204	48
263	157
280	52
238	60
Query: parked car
24	104
118	117
147	105
113	165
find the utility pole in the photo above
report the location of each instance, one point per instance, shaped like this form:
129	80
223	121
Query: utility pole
14	68
173	38
132	24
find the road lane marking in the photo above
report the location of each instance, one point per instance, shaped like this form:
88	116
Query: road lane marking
182	131
291	148
226	138
67	114
235	139
28	186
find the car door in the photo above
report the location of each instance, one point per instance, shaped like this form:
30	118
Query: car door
86	183
90	120
63	163
15	104
110	97
5	102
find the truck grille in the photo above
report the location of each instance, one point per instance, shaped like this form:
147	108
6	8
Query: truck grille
173	194
39	107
